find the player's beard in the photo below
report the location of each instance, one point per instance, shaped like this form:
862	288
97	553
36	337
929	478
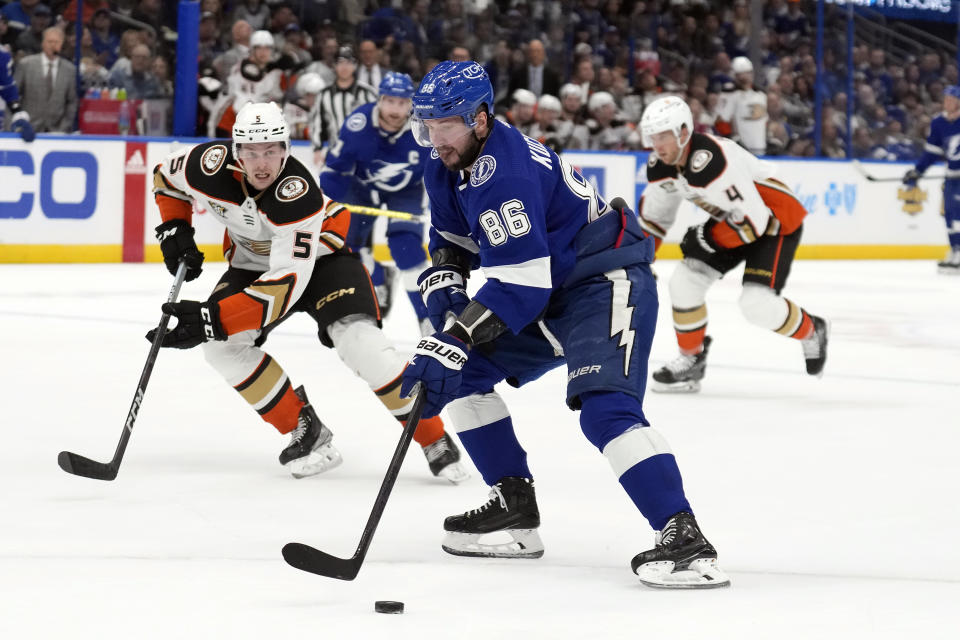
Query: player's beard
468	156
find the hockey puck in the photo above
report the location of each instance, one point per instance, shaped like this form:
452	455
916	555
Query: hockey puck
388	606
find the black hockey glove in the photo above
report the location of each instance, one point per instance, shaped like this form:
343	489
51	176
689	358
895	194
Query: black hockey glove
698	243
197	322
910	178
176	244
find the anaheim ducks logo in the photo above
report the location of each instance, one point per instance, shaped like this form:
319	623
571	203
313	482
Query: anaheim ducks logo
291	188
212	159
700	159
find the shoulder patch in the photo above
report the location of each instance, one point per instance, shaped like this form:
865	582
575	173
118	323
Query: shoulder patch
434	154
659	170
212	159
482	170
356	122
291	188
700	159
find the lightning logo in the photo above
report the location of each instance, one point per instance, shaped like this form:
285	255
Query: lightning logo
621	313
388	176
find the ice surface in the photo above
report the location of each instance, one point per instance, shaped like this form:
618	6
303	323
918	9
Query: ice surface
832	502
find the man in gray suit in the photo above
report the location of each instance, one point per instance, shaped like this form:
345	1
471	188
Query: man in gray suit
47	82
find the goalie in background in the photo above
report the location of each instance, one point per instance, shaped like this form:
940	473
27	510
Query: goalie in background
942	145
754	218
284	241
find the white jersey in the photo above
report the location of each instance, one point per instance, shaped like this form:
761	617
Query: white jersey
726	181
248	83
279	232
746	111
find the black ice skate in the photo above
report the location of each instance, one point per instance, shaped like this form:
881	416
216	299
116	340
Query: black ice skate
509	522
815	346
385	292
310	450
681	558
443	455
950	265
683	374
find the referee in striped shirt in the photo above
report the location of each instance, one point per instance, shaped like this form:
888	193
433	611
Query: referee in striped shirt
336	102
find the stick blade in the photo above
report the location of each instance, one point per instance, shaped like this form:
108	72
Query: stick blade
81	466
306	558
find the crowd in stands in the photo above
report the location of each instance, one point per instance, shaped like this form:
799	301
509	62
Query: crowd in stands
575	74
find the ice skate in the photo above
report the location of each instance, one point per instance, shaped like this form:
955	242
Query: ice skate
504	527
443	455
683	374
385	291
681	558
815	346
310	450
950	265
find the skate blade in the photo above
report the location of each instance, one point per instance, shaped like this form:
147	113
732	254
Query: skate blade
524	543
701	574
319	460
454	473
688	386
949	271
818	373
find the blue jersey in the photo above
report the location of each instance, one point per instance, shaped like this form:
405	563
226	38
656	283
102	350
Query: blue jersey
943	143
8	89
520	210
374	166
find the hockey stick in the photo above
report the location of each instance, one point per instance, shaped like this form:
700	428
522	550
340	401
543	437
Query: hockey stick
79	465
306	558
863	171
385	213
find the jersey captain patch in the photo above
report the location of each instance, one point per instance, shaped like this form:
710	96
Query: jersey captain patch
291	188
700	159
483	168
212	159
356	122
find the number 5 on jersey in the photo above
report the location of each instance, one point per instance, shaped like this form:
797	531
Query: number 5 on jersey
511	221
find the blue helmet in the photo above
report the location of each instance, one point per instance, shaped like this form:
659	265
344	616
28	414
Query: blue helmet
397	84
952	90
453	89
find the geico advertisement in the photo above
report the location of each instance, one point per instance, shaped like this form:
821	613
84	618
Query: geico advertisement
61	191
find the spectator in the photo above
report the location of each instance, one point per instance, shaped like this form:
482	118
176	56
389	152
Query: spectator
584	75
240	37
369	71
29	40
46	83
161	69
877	77
106	43
128	40
499	70
18	14
253	12
459	54
325	61
293	46
534	75
140	82
208	34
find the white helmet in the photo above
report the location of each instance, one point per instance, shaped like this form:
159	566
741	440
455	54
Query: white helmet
741	64
260	122
666	114
550	103
261	39
310	83
600	99
525	96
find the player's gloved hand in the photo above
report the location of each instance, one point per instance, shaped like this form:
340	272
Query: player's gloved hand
443	293
176	244
698	242
20	121
197	322
436	363
910	178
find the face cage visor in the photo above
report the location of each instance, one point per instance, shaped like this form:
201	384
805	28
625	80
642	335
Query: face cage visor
440	132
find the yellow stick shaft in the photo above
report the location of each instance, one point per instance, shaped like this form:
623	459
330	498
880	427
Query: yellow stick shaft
386	213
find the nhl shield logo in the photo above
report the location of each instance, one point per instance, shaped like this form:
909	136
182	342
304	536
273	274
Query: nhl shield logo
212	159
483	168
291	188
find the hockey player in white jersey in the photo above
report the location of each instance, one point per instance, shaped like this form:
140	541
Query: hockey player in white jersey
742	113
568	282
284	241
753	218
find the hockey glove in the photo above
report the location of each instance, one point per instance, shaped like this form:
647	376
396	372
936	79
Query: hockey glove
176	244
196	323
910	178
20	121
443	294
698	243
436	363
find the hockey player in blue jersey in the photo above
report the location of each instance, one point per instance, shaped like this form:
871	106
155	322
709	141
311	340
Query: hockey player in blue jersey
377	163
943	143
568	280
19	119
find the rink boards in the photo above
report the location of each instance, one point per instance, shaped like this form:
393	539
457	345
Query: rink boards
88	199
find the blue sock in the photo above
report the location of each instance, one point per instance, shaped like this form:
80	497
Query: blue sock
495	451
